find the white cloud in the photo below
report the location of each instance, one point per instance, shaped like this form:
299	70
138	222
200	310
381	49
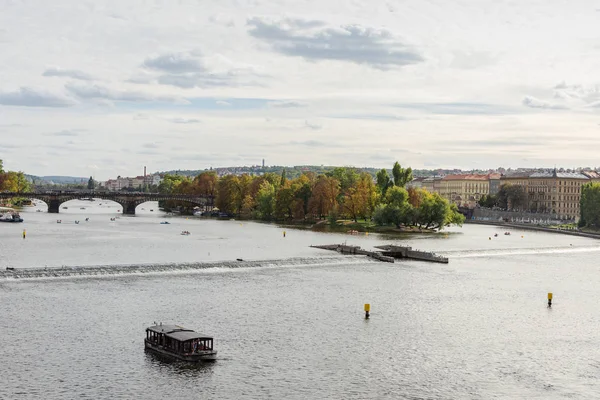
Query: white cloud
314	40
297	74
27	97
180	120
95	91
67	73
532	102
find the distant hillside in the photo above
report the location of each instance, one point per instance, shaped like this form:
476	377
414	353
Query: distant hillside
59	180
295	171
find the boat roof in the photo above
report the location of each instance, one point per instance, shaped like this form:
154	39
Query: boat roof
178	332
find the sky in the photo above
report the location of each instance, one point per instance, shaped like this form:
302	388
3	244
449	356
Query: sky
104	88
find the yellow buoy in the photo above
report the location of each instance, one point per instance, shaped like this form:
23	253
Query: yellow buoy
367	307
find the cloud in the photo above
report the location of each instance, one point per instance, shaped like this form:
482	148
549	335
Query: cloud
312	125
179	120
223	103
151	145
74	132
176	63
68	73
27	97
221	19
459	108
190	69
309	143
313	41
286	104
532	102
89	91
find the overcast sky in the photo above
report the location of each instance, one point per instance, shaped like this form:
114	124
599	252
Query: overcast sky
105	87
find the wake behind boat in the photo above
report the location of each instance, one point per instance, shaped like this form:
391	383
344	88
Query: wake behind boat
179	343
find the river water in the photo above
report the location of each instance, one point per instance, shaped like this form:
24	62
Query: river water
288	321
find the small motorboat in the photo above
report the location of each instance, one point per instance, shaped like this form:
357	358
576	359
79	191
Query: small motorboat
240	259
77	222
185	233
507	233
59	221
495	235
152	210
165	223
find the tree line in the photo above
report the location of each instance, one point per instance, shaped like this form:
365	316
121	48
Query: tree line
342	193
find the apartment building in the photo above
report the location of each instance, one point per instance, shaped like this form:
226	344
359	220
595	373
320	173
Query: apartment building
464	190
552	192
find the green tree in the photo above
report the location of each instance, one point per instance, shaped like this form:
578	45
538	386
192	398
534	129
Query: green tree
401	175
590	206
91	185
383	181
1	167
283	179
265	199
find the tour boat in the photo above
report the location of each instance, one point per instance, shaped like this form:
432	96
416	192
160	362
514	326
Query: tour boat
179	343
11	217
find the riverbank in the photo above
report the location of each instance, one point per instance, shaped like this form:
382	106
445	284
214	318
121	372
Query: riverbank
536	228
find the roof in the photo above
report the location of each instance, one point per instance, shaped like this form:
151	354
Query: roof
592	174
494	175
466	177
545	174
178	332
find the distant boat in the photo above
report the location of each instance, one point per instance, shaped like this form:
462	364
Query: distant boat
165	223
186	233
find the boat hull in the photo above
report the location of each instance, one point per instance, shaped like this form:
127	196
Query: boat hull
197	357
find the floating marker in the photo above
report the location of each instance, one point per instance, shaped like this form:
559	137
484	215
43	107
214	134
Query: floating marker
549	299
490	238
283	233
24	233
367	310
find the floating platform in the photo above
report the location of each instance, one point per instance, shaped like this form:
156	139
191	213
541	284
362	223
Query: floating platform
388	254
408	252
347	249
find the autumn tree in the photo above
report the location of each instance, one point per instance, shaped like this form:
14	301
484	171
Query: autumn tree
324	196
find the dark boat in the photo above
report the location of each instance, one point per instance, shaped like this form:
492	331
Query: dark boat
179	343
11	217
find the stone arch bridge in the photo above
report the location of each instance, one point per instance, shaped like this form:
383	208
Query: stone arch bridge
129	200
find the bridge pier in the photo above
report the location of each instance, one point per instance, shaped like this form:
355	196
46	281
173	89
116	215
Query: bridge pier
129	208
53	206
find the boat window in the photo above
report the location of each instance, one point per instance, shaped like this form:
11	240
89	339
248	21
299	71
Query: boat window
186	347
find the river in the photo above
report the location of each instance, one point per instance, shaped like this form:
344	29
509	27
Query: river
288	321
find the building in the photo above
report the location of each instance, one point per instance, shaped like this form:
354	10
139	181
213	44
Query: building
552	192
432	184
494	183
416	183
464	190
134	183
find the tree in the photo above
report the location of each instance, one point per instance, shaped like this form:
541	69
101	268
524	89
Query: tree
1	167
590	206
383	181
283	178
91	185
511	197
265	199
401	175
16	182
324	196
